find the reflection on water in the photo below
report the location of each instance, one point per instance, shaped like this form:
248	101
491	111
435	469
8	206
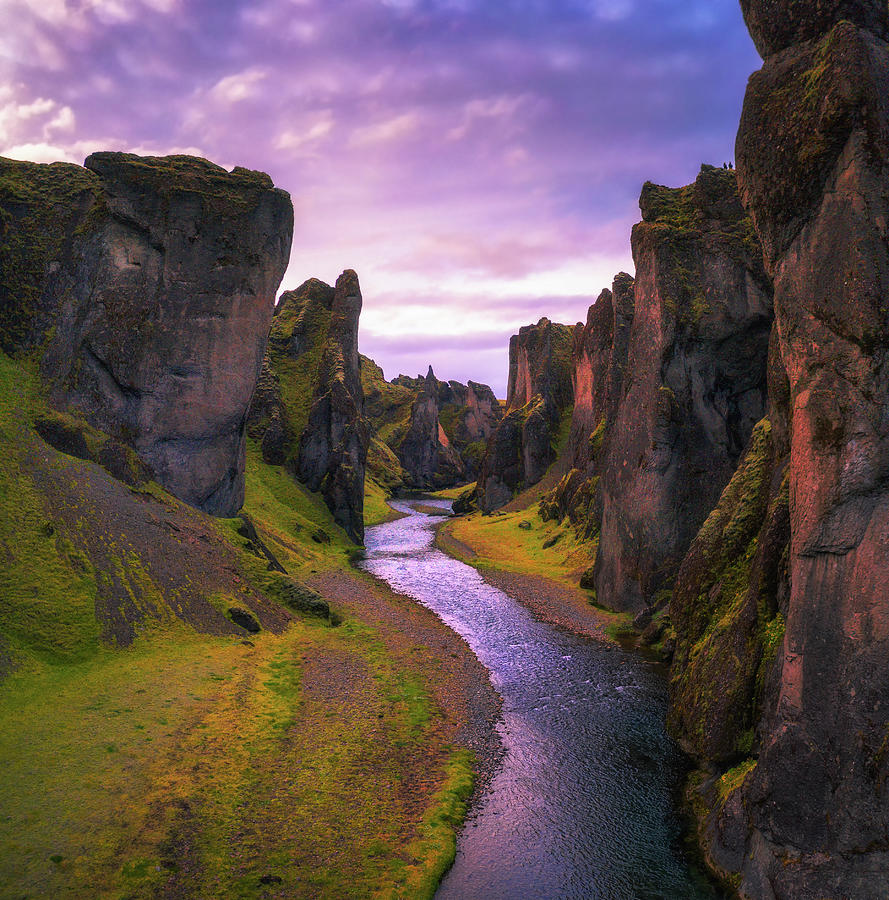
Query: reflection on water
582	805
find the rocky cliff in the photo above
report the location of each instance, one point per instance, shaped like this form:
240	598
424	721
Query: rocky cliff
599	363
308	410
539	397
333	446
146	286
804	814
693	385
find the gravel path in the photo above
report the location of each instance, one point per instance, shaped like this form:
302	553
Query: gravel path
459	683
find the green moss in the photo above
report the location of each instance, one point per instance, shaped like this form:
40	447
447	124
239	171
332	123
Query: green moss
597	439
47	588
733	779
40	208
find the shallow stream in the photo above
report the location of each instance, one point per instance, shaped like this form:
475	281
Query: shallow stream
582	805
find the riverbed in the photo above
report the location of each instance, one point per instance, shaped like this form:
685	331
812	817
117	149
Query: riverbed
582	805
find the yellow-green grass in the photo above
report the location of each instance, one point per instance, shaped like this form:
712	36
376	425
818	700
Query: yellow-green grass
47	589
454	492
288	515
501	543
195	760
376	508
205	761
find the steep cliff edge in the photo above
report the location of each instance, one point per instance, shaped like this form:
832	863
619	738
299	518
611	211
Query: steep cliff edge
693	386
805	815
146	287
539	395
599	364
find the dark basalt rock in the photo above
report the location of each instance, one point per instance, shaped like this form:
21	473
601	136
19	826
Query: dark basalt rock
257	546
522	448
693	388
442	442
776	25
148	286
426	452
74	436
811	816
333	446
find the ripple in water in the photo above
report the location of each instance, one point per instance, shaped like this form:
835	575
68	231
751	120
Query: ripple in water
582	804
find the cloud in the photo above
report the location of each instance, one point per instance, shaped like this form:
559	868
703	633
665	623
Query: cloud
387	131
238	86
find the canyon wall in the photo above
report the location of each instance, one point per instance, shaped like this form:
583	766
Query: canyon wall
691	389
539	395
805	814
145	286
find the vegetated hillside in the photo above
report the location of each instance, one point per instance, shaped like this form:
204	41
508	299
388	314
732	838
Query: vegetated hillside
155	659
435	430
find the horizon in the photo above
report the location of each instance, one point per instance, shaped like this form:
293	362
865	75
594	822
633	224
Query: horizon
478	164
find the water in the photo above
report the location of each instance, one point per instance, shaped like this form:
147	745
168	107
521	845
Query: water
582	806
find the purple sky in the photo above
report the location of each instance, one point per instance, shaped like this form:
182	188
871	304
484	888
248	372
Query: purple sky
478	162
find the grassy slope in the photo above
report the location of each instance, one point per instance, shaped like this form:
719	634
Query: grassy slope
197	764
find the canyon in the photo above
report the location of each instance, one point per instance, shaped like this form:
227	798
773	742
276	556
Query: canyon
712	442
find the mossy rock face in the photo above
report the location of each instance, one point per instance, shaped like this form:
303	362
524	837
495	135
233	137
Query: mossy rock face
437	429
75	436
814	97
727	608
692	387
43	213
776	25
537	422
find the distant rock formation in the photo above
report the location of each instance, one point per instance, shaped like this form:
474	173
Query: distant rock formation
308	410
599	365
437	429
693	385
807	814
146	286
539	394
426	452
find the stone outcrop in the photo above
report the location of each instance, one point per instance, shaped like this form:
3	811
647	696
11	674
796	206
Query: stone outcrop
539	395
693	385
333	446
437	429
146	286
308	410
808	816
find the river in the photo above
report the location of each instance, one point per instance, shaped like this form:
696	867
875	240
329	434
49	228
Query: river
582	805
